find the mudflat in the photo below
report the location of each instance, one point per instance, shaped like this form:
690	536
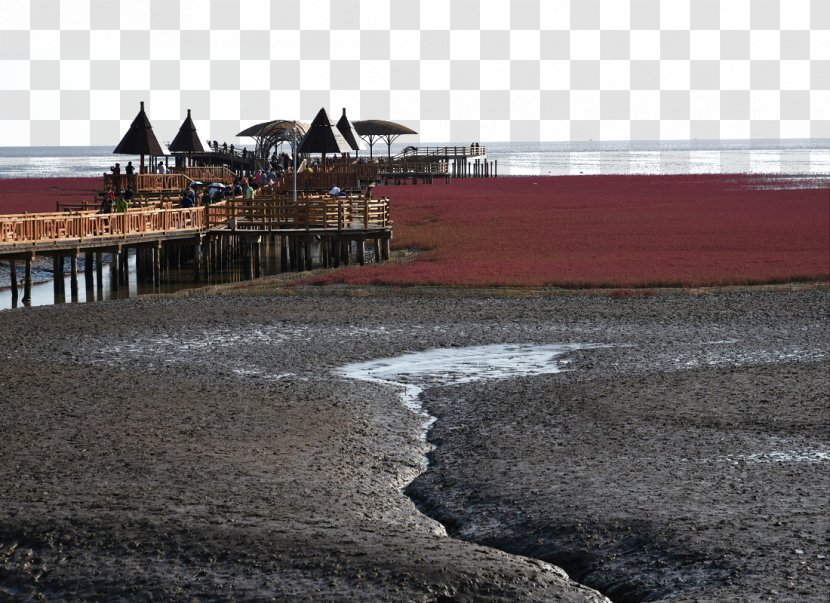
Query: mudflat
208	447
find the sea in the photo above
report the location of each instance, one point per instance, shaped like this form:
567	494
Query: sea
805	157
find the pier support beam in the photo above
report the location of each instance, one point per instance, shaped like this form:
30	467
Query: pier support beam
27	282
308	254
99	270
73	275
58	277
13	278
284	265
115	264
88	282
157	264
361	251
197	259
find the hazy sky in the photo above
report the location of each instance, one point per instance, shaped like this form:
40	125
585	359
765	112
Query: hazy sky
74	71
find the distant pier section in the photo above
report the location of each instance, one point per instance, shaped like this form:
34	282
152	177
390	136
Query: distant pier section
429	162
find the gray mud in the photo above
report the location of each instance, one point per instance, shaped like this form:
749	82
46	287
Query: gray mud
206	448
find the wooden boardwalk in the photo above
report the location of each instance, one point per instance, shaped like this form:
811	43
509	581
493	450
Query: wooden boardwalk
206	238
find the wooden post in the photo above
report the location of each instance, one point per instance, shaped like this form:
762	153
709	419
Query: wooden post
361	251
115	260
99	270
376	245
197	259
157	264
385	251
57	279
88	277
27	281
73	275
335	245
259	268
284	263
13	278
307	250
124	269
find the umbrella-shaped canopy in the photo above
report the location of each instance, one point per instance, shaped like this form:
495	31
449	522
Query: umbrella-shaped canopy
187	141
322	137
349	133
139	139
280	128
370	129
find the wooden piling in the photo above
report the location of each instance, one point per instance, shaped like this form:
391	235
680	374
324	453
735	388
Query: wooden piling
308	254
157	264
27	280
73	275
361	251
58	284
88	276
99	270
13	277
115	262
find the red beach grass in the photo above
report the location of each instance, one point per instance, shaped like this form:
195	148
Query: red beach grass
21	195
604	231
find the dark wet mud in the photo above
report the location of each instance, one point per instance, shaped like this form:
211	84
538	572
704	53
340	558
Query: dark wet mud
207	447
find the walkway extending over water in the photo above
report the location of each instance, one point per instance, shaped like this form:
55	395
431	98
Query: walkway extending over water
208	237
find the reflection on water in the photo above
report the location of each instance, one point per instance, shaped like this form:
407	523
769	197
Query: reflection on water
174	279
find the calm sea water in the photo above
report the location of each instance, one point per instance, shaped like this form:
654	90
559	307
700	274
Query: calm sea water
804	157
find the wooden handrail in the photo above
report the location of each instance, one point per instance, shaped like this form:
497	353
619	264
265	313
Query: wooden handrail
310	213
448	151
209	174
262	214
19	229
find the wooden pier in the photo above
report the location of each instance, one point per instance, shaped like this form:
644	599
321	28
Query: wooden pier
205	238
442	162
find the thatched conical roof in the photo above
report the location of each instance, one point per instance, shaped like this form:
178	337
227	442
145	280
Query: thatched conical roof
349	133
139	139
322	137
186	141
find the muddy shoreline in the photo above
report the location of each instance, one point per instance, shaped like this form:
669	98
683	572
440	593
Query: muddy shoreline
204	447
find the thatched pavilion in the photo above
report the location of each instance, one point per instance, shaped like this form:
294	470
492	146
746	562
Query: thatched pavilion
140	139
187	141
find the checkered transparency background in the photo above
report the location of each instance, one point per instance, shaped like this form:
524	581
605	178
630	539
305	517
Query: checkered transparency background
72	72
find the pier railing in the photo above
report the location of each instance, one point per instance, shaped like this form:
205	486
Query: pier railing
209	174
309	214
149	182
49	228
448	152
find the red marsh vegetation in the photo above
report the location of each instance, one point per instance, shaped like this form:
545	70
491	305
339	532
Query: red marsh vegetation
33	195
605	231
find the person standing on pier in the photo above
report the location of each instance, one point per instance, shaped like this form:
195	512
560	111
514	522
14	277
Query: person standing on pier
116	176
128	172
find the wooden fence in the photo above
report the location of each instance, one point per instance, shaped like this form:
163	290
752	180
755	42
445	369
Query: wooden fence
308	214
210	174
28	229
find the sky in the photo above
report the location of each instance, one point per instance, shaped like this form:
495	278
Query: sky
74	71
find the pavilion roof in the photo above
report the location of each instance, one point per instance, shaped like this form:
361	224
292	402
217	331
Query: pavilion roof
349	133
323	137
140	139
187	140
379	127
